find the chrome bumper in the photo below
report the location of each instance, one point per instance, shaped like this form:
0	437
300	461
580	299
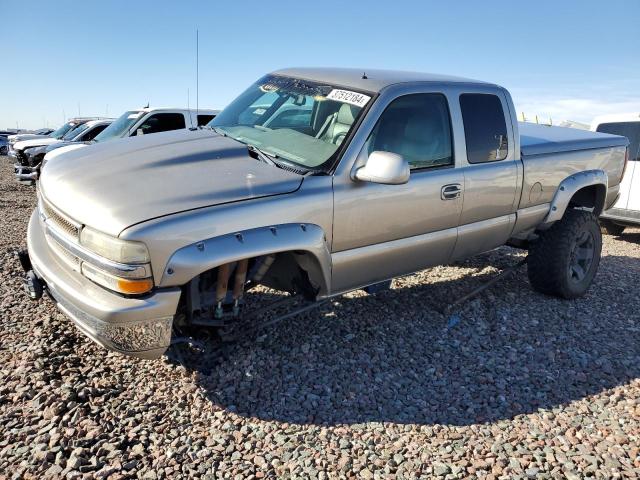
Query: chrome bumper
25	174
139	327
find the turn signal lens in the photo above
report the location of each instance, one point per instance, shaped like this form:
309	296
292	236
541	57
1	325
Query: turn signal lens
127	286
134	287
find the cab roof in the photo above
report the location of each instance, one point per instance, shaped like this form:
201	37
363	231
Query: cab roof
375	80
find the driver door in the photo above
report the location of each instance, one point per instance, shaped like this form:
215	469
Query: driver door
382	231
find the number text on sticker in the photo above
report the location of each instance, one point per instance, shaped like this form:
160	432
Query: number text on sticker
346	96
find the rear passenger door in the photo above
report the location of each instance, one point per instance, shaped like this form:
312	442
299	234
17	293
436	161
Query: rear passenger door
491	173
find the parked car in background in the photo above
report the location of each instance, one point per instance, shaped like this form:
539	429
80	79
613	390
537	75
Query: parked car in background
626	211
4	144
83	132
43	131
145	121
314	182
33	151
22	135
56	134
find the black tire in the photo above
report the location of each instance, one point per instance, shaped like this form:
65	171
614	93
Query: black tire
4	150
610	228
564	259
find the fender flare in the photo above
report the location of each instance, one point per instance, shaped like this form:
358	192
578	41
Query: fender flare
192	260
568	188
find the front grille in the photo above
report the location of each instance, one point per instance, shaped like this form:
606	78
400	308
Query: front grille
62	224
66	255
21	157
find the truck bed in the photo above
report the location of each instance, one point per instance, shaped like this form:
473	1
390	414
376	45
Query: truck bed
542	139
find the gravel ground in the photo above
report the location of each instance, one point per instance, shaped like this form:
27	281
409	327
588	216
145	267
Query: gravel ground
512	385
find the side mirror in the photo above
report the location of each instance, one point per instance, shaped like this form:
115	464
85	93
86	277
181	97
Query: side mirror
384	167
139	132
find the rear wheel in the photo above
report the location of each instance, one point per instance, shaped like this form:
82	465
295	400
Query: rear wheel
610	228
565	258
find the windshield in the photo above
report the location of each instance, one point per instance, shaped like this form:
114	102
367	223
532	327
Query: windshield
120	127
60	132
74	132
300	121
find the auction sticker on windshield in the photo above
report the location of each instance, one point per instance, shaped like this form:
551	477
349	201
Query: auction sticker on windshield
346	96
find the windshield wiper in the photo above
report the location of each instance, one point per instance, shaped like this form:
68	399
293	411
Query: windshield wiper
262	156
219	131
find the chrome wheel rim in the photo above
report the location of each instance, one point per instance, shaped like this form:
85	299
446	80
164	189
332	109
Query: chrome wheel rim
581	257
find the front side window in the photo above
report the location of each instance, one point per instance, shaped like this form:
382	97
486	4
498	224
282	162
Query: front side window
120	127
299	121
90	135
485	129
76	133
418	128
204	119
631	130
161	122
62	131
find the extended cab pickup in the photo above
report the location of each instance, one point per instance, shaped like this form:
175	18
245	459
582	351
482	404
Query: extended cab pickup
313	182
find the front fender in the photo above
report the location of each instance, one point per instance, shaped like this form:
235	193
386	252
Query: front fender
568	188
192	260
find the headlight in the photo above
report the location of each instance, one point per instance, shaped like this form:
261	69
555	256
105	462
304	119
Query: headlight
33	151
126	266
122	251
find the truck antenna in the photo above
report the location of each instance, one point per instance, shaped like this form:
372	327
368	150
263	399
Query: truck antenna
189	110
197	72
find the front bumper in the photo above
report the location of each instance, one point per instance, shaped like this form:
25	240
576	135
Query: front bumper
139	327
26	175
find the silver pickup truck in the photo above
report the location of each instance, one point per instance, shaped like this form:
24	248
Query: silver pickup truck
312	182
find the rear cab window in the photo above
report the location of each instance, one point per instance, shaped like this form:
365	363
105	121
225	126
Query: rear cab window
485	127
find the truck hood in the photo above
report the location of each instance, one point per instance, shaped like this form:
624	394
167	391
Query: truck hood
119	183
24	136
34	142
63	149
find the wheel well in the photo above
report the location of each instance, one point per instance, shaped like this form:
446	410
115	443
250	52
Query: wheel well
591	197
296	272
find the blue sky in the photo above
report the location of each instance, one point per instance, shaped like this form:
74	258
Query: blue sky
568	59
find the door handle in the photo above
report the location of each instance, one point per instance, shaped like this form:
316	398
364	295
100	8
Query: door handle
451	191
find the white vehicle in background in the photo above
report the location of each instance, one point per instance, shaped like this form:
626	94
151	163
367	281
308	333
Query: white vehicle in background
145	121
30	153
626	211
58	133
18	137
